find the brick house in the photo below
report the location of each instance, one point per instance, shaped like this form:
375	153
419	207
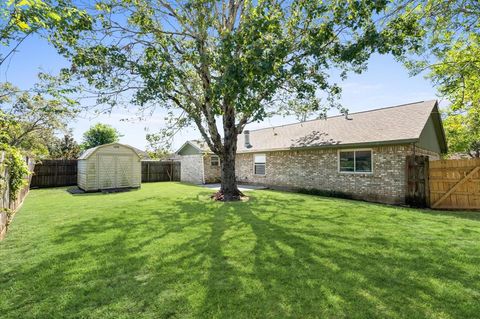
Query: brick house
198	163
362	154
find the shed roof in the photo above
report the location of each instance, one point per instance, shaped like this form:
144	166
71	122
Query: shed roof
89	152
395	124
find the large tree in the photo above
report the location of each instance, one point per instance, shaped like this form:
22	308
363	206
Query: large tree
223	64
450	55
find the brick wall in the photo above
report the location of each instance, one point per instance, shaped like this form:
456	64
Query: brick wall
319	169
212	173
191	169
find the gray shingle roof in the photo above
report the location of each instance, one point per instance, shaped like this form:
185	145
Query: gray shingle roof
201	145
403	123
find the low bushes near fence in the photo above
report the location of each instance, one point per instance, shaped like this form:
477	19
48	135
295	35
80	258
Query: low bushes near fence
325	193
15	173
13	170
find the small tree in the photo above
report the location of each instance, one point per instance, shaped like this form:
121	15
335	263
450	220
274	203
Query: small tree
100	134
64	148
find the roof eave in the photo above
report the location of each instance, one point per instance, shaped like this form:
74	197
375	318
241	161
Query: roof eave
443	144
347	145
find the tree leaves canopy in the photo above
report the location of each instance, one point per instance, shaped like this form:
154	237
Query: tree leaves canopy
29	120
233	59
450	55
51	19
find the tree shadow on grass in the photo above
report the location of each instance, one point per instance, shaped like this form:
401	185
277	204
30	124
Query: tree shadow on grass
255	259
108	266
334	275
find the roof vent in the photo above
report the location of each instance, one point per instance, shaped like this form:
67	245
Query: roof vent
346	115
246	133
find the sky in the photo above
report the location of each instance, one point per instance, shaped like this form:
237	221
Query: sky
385	83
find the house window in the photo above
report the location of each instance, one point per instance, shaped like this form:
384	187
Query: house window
357	161
259	164
214	160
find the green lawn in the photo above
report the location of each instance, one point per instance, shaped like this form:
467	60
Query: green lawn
168	251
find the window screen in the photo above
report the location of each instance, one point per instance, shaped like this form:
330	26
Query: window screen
214	160
363	161
260	164
356	161
347	161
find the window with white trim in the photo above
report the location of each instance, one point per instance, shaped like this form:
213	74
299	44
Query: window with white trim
355	161
214	160
259	166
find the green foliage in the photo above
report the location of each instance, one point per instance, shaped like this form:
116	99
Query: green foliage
9	213
240	62
325	193
159	154
457	77
29	120
100	134
450	54
17	169
463	133
220	67
48	18
64	148
156	148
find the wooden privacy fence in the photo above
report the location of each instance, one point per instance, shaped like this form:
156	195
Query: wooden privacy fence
160	171
53	173
455	184
56	173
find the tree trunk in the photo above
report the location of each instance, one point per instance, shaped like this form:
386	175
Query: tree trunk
229	187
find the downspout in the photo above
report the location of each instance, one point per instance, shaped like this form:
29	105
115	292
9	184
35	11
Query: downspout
203	168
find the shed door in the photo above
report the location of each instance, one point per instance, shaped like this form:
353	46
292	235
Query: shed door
106	171
124	171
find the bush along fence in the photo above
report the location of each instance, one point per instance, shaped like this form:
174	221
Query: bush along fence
56	173
10	202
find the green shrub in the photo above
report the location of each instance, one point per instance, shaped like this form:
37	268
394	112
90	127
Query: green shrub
326	193
17	169
9	213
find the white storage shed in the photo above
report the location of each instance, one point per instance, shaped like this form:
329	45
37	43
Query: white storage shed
109	166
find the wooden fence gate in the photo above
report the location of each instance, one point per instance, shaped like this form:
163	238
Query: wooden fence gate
455	184
417	181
